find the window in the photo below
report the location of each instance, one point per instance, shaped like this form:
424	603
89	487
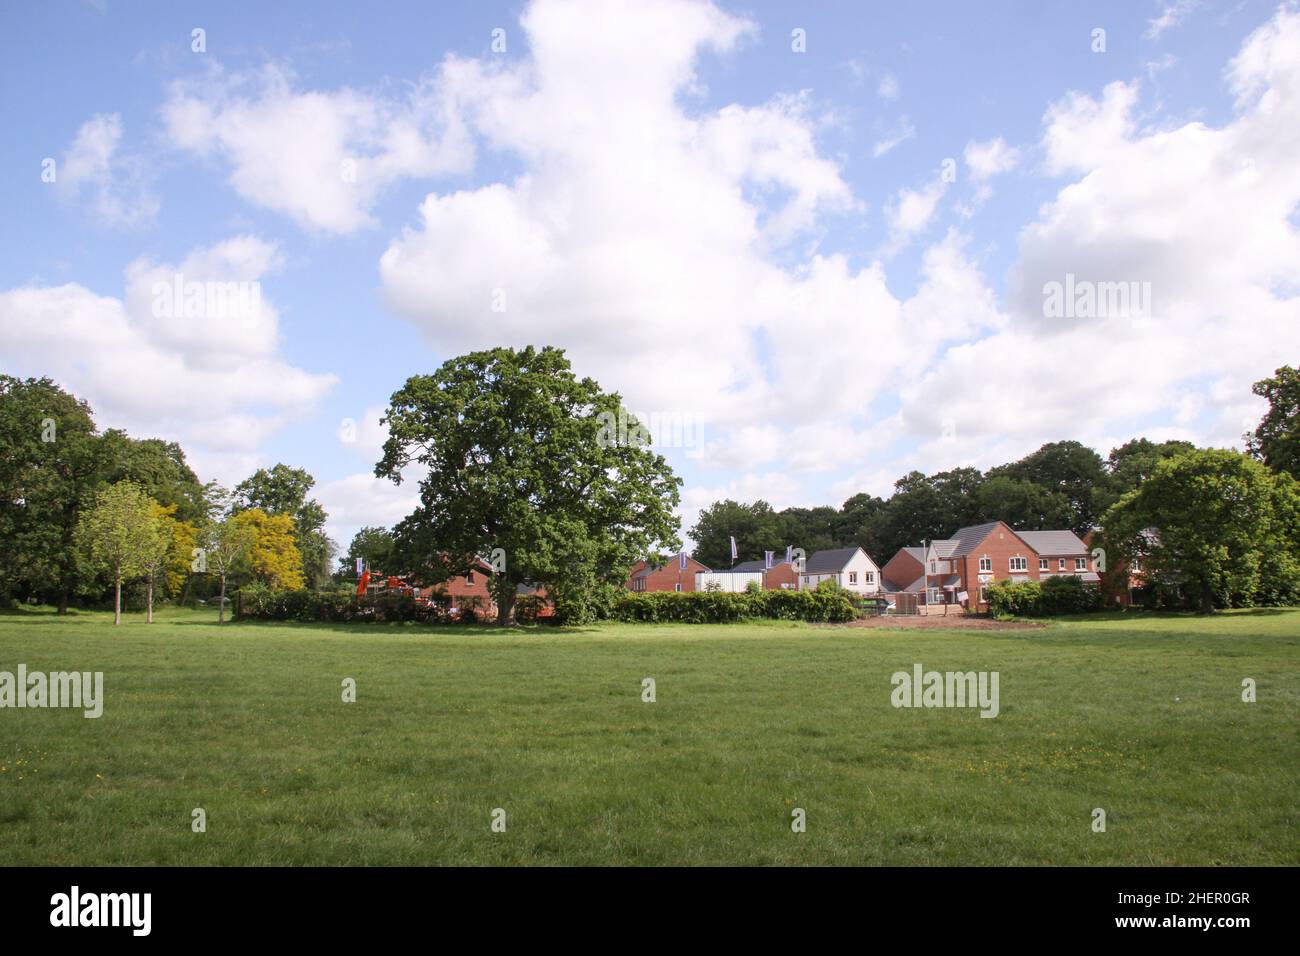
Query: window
853	577
469	577
932	567
986	564
1018	564
871	577
1060	565
1081	564
1042	564
935	597
984	594
678	586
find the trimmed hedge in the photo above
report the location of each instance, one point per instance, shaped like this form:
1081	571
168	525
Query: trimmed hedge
1049	598
713	607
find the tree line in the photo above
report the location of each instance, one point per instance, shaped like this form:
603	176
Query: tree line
1208	527
84	512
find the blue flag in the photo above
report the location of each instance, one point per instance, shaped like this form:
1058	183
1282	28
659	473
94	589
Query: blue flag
360	566
733	548
767	560
789	553
682	558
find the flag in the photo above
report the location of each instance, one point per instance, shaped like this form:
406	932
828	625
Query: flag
361	565
789	553
363	584
682	558
733	548
767	560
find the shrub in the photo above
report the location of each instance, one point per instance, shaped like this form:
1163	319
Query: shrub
711	607
1051	597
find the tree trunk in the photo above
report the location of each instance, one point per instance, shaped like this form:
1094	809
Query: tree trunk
63	601
149	612
117	599
221	602
505	607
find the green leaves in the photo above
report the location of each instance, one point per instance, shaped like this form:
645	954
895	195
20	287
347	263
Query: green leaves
1211	528
510	447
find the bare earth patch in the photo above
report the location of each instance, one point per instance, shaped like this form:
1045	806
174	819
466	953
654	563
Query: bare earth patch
961	621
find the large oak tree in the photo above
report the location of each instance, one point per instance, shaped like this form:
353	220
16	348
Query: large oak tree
523	456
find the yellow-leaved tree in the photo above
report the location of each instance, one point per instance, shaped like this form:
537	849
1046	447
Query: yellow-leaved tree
273	556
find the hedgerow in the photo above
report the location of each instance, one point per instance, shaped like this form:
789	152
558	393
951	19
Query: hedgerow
712	607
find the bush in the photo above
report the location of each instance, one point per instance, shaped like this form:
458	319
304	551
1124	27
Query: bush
1051	597
711	607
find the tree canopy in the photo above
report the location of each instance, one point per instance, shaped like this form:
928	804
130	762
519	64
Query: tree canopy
518	457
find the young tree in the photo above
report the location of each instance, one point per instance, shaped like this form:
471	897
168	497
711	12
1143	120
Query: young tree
273	556
224	545
157	550
283	491
530	465
116	535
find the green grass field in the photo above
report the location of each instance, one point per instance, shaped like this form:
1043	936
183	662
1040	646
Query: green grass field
1140	716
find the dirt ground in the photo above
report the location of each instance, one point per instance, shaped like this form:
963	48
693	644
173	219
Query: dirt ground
920	622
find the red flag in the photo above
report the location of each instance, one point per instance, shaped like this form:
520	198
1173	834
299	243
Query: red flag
363	584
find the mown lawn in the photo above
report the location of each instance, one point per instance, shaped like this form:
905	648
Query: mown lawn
1140	716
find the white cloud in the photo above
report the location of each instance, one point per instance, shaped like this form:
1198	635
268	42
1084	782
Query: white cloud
116	180
901	133
888	87
912	210
644	240
1082	132
212	381
322	158
1204	215
991	158
1170	16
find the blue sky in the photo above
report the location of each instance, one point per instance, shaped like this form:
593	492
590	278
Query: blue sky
719	227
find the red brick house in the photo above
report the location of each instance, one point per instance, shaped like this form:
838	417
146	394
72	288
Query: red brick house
780	577
977	555
473	584
670	576
904	569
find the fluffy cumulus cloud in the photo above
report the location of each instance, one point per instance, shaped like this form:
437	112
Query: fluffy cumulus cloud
188	352
652	239
322	158
112	182
1195	223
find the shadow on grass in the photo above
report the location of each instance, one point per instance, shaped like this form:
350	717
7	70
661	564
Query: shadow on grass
408	627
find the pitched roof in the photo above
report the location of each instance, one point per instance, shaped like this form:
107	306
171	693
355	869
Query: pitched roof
943	548
1054	542
967	539
830	561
